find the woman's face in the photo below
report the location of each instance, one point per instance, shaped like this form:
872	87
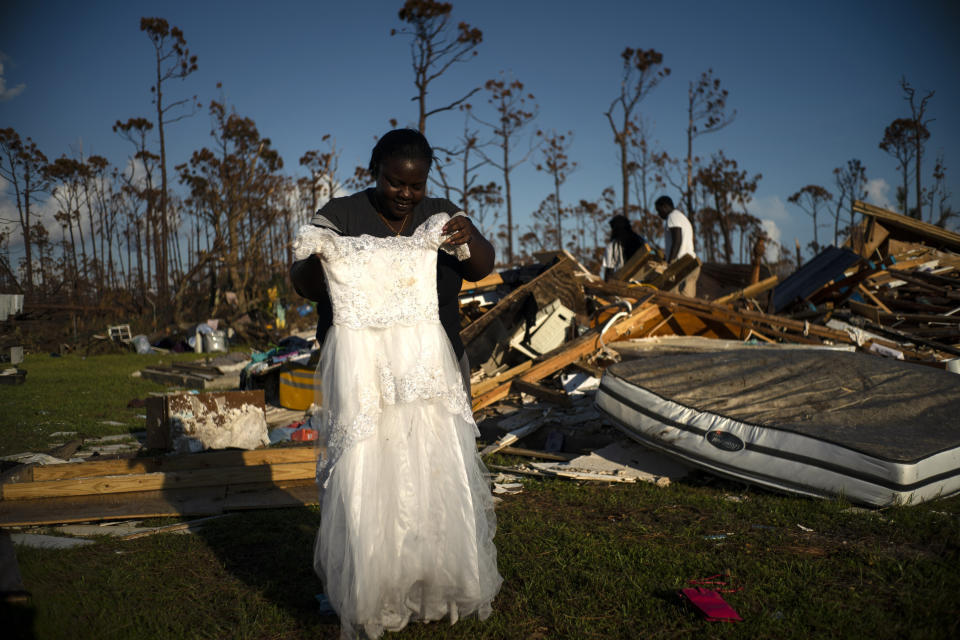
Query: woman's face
401	185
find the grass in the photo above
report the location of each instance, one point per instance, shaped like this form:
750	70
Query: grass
76	393
578	561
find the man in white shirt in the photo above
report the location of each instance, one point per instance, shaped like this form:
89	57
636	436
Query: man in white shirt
678	240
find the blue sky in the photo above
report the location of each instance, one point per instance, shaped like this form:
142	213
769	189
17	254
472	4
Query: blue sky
814	83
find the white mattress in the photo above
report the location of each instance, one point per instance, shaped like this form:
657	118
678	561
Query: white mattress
875	431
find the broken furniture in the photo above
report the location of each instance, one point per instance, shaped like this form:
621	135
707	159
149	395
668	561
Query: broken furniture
188	422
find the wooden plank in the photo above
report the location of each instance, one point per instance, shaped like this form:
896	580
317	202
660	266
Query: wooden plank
867	311
674	274
574	350
541	392
555	282
484	386
494	395
637	261
748	319
932	233
183	462
517	434
119	506
491	280
750	291
295	494
536	453
869	295
158	481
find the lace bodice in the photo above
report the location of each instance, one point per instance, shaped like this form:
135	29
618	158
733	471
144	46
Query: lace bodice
380	282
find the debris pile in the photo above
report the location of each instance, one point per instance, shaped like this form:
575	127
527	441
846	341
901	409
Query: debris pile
539	338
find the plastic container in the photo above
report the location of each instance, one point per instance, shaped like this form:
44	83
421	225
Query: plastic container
141	344
215	341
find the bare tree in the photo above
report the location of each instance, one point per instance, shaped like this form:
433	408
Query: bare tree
470	161
513	113
173	60
135	131
22	166
557	163
433	49
323	166
642	71
706	113
731	189
69	176
811	199
898	142
480	202
851	184
940	210
234	185
920	133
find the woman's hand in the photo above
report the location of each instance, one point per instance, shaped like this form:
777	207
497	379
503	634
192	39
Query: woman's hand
459	230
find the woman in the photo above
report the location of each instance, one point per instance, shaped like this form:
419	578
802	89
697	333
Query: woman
406	514
400	163
624	242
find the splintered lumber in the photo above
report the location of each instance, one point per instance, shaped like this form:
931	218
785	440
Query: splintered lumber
748	319
556	282
509	438
484	386
492	280
637	261
541	392
867	237
751	291
929	233
674	274
574	350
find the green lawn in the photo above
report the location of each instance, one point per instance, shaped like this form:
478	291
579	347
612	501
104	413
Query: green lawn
578	561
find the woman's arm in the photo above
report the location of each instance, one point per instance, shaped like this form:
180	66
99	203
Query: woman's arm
307	278
462	231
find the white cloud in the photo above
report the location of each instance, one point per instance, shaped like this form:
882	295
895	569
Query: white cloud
773	231
878	193
8	94
770	208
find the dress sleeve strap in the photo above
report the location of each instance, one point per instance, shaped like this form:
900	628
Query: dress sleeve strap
310	240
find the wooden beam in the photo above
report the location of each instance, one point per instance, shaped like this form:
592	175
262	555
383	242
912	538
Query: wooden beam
750	291
183	462
637	261
158	481
541	392
577	348
484	386
926	230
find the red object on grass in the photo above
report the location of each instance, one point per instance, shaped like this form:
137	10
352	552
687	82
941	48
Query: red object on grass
303	435
711	604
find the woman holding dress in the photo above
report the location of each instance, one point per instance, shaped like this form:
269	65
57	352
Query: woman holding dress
407	518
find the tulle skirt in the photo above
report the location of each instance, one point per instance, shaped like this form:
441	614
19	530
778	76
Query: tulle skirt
407	520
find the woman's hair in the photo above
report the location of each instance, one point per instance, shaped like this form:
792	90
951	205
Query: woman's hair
623	234
400	143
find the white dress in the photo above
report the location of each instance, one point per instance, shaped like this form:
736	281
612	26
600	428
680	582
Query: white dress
407	518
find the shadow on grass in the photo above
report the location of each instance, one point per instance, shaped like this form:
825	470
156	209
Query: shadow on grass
265	541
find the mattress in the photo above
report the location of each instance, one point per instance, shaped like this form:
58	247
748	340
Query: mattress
811	422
